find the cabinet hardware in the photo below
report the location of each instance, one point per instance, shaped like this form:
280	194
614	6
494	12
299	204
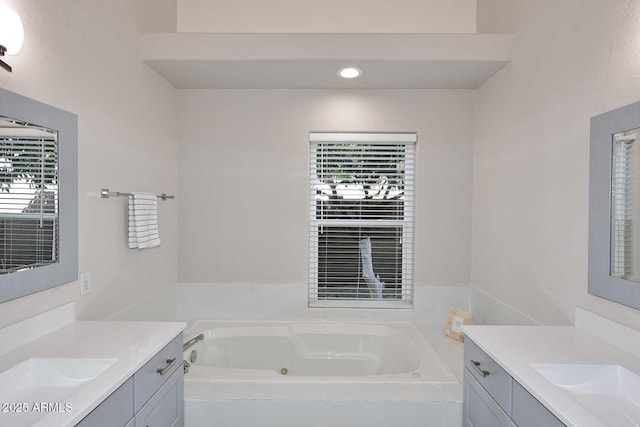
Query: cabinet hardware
168	366
476	366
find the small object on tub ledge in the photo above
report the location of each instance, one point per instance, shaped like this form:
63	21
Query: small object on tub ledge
143	221
457	318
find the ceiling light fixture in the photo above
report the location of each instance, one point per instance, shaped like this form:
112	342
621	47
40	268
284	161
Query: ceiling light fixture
11	34
349	72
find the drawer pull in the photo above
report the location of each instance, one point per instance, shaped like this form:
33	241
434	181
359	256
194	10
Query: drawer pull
476	366
168	366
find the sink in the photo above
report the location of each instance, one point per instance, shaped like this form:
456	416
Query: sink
54	373
609	392
50	380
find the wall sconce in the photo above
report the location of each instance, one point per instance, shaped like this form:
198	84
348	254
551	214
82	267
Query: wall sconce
11	34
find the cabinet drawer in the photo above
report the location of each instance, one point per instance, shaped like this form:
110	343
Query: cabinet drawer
479	409
148	379
529	412
115	410
166	407
494	379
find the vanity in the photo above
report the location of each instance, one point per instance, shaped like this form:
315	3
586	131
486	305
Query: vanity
154	395
55	371
493	398
587	375
538	376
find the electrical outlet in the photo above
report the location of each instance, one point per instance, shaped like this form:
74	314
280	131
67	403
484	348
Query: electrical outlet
85	283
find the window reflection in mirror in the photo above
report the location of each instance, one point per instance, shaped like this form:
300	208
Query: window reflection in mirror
28	196
625	215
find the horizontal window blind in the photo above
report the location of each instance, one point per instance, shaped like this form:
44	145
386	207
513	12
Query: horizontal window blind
622	205
361	219
28	197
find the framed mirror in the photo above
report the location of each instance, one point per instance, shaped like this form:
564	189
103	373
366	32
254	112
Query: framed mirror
38	196
614	206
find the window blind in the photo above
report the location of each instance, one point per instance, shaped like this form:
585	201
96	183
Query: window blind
622	205
28	197
361	219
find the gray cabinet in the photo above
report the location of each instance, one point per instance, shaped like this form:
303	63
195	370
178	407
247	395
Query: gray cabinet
493	399
152	397
166	407
115	410
479	408
529	412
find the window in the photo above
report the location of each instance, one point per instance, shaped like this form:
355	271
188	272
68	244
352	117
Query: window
28	196
361	219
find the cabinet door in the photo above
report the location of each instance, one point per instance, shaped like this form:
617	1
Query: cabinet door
115	410
166	406
528	412
489	374
479	408
153	374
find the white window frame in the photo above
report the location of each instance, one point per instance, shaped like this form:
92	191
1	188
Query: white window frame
408	140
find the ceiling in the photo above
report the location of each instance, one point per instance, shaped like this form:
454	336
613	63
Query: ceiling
311	61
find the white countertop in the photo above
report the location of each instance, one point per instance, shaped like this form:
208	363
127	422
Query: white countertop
132	343
515	348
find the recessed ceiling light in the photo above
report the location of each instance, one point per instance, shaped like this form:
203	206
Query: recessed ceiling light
349	73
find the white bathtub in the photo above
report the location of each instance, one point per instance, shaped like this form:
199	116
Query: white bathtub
318	374
312	352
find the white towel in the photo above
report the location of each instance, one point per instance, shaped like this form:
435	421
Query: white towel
143	221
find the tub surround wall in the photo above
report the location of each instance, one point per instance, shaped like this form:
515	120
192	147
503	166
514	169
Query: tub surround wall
160	306
573	60
239	301
243	181
489	310
82	57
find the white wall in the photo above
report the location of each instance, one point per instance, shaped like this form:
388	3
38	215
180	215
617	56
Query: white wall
574	59
157	16
243	179
328	16
82	57
496	16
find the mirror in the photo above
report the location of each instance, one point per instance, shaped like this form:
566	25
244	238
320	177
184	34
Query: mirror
625	214
614	206
29	231
38	196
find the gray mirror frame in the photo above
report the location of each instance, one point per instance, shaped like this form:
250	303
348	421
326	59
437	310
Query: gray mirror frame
22	283
601	283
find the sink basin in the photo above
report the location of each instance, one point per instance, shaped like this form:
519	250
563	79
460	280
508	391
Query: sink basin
47	380
610	392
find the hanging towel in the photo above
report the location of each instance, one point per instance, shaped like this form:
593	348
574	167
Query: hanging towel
143	221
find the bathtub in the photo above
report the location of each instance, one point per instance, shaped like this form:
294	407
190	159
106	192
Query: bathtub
314	352
278	373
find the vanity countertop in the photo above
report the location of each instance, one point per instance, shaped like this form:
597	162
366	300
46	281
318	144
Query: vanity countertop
131	343
515	348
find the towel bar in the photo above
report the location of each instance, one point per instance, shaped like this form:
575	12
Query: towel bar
105	194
